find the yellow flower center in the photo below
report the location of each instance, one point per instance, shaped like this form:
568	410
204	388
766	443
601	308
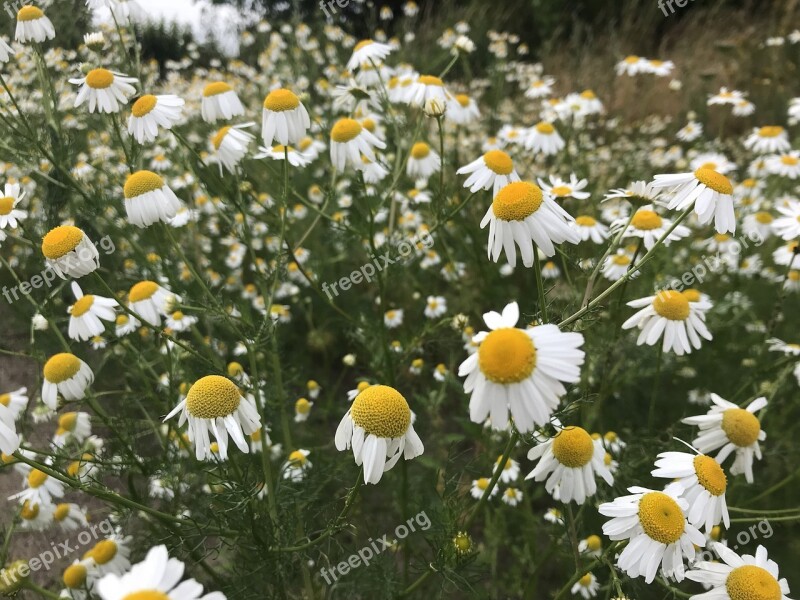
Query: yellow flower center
302	406
144	105
67	421
61	367
345	130
545	128
29	512
742	427
671	305
463	100
82	306
382	411
573	447
646	220
297	458
213	397
716	181
585	580
621	259
142	291
516	201
5	399
631	60
482	483
710	475
770	131
6	205
594	543
498	161
560	191
36	478
750	582
281	100
507	355
764	218
29	13
216	141
789	160
585	221
60	241
462	543
142	182
214	89
661	517
62	512
103	552
99	79
794	275
75	576
430	80
420	150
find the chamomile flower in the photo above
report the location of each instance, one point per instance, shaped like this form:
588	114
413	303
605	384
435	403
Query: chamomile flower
540	88
544	138
631	65
37	517
40	488
16	402
150	301
125	325
349	140
179	321
731	429
284	118
690	132
784	165
33	25
148	199
9	213
69	252
704	483
150	112
617	266
656	526
648	225
479	487
494	170
569	462
88	313
215	404
105	91
589	228
230	145
426	89
670	314
463	111
592	545
302	410
519	370
587	586
296	465
512	496
9	439
75	426
70	517
435	307
367	52
739	577
295	158
510	471
708	190
378	427
787	227
423	161
788	255
521	215
65	374
6	51
220	101
768	140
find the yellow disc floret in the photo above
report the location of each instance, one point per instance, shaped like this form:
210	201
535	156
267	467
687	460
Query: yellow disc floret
545	128
430	80
67	421
573	447
75	576
661	517
770	131
750	582
6	205
499	162
281	100
61	367
646	220
62	512
741	426
585	221
507	355
144	105
213	397
60	241
103	552
710	475
382	411
345	130
517	201
146	595
29	13
36	478
302	406
214	89
29	511
82	306
216	141
420	150
714	180
692	295
671	305
594	543
142	182
99	79
142	291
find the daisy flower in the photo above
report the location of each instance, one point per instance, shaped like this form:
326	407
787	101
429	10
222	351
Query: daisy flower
788	254
125	324
569	462
69	252
366	52
220	102
230	145
284	118
77	578
703	482
617	266
6	51
670	314
378	426
9	214
349	140
540	88
427	88
296	158
550	270
37	517
16	402
787	227
73	425
725	96
149	301
648	225
33	25
463	111
554	516
690	132
714	161
631	65
784	165
777	345
739	577
70	517
148	199
65	374
655	523
544	138
40	488
510	470
9	439
520	370
587	586
105	91
768	140
422	161
521	215
494	170
512	496
393	318
87	314
592	545
296	465
215	404
302	410
589	228
728	428
111	556
178	321
479	487
758	225
709	191
435	307
150	112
